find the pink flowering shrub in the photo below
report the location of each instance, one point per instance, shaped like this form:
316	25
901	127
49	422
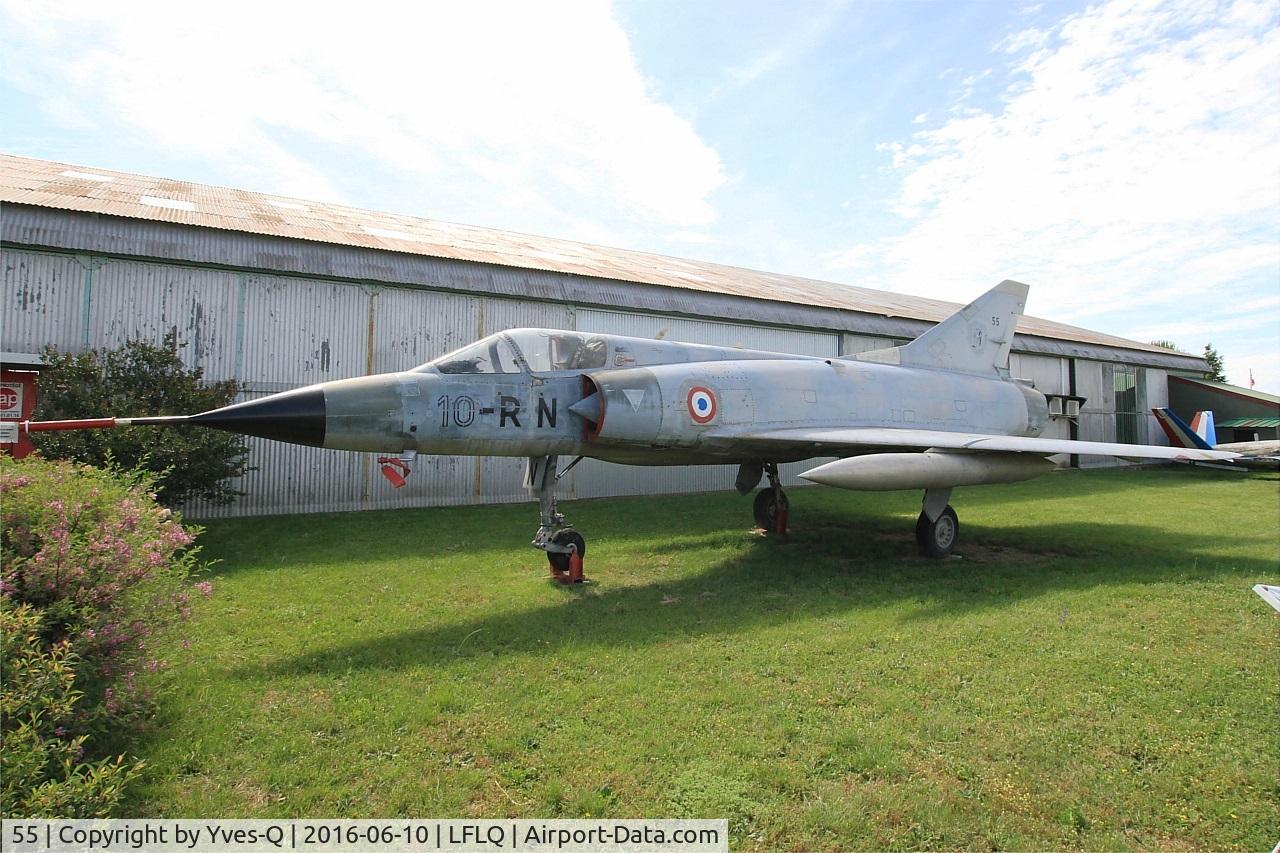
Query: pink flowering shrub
105	570
45	774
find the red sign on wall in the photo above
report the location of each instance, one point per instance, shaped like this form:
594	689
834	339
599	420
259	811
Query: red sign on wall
17	402
11	401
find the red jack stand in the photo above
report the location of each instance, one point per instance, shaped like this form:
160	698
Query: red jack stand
574	575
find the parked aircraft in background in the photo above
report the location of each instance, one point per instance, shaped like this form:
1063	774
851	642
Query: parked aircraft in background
936	413
1202	434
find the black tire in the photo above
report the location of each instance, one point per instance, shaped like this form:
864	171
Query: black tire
765	510
568	536
936	539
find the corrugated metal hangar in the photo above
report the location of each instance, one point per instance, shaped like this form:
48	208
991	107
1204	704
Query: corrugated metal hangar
281	292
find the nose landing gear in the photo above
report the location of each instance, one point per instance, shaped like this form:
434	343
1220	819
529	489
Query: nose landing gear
564	546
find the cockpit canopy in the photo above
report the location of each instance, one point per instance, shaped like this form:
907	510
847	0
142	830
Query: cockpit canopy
520	350
551	350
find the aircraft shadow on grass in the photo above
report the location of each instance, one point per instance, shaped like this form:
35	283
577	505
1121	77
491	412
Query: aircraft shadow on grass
498	528
827	568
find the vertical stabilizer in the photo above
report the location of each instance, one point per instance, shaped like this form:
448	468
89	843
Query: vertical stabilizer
1181	435
976	339
1202	423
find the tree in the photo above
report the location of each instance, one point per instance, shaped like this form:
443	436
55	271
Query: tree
1165	345
136	380
1216	372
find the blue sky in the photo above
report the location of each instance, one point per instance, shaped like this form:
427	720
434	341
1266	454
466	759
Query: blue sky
1121	158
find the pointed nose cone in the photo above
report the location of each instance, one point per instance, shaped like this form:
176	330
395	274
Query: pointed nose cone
293	416
822	475
588	408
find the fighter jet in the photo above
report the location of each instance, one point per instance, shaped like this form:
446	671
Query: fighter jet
939	412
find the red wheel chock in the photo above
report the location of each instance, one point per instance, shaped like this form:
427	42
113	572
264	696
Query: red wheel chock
574	575
780	521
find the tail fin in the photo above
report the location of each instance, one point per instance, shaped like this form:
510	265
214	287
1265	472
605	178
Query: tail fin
1202	423
975	339
1181	435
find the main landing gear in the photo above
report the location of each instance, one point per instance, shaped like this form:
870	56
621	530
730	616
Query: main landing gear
937	528
771	505
565	546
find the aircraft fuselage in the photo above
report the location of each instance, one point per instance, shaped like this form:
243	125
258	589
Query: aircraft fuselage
688	409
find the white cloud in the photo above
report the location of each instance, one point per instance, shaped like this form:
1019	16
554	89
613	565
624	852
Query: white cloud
533	107
1132	162
1028	38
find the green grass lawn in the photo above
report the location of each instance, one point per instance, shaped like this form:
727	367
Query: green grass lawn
1092	672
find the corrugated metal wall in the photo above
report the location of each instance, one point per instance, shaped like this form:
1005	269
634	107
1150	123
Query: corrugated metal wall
138	301
854	344
44	302
277	332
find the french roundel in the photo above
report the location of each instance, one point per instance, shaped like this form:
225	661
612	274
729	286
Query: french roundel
702	404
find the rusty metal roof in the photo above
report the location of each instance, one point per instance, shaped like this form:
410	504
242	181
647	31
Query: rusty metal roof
43	183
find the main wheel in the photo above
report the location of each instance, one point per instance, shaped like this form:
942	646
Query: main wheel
568	536
765	510
937	538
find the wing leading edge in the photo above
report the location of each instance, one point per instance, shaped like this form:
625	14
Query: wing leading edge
844	442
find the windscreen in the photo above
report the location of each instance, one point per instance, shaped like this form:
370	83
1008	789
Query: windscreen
493	354
537	350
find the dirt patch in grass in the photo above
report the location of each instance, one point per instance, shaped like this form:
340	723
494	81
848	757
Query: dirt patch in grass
902	545
987	552
254	796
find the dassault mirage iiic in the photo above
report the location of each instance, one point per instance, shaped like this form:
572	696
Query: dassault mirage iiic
938	412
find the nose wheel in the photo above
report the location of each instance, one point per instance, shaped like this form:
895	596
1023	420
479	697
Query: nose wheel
563	562
564	546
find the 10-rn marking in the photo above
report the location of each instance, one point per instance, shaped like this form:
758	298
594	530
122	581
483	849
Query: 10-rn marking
461	410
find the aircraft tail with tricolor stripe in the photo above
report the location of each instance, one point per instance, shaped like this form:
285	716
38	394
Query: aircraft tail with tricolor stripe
1202	435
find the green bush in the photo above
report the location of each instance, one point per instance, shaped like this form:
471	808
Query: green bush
93	571
43	771
138	380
